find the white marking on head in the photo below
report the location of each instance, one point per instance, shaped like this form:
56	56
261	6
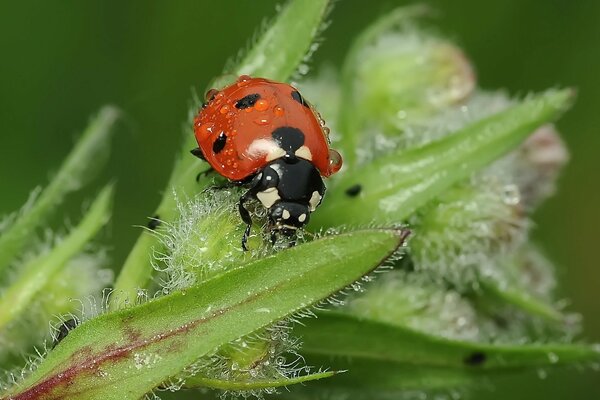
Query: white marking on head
285	214
302	218
268	197
265	148
315	200
304	152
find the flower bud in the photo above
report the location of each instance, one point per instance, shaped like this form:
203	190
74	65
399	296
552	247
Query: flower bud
398	77
458	237
535	166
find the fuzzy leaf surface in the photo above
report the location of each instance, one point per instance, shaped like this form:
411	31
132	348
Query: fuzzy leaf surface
124	354
394	186
202	382
35	274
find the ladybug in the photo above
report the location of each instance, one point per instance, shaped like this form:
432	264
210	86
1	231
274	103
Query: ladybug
265	136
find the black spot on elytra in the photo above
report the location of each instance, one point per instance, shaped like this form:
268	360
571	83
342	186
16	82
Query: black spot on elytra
475	359
154	222
298	97
288	138
247	101
63	330
219	143
354	190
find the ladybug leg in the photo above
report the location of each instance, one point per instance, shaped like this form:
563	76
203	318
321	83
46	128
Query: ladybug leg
245	214
198	153
257	183
204	173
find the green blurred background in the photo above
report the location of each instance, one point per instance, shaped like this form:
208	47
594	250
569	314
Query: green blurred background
59	61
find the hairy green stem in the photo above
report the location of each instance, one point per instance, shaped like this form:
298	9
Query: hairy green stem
87	156
39	271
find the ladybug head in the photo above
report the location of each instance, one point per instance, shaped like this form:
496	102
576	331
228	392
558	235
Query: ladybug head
287	216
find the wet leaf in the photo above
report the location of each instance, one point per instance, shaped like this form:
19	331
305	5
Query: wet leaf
124	354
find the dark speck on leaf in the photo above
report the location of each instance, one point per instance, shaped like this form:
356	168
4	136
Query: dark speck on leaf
354	190
475	359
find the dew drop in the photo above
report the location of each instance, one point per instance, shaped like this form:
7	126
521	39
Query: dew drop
303	69
335	161
262	121
278	111
542	374
553	358
243	80
261	105
210	94
511	195
224	109
206	129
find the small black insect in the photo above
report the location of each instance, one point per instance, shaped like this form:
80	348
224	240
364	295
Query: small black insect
154	222
63	331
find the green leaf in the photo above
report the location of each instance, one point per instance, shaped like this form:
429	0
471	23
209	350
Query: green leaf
36	274
202	382
275	55
89	154
383	356
394	186
511	294
286	42
124	354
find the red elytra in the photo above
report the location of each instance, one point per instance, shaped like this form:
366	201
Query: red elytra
234	129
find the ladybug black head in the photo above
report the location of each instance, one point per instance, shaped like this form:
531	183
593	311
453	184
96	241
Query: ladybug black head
286	216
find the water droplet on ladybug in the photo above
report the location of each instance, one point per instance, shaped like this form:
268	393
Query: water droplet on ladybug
261	105
278	111
244	78
211	94
335	161
206	129
262	121
224	109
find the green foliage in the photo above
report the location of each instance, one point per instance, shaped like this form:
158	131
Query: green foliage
88	156
132	351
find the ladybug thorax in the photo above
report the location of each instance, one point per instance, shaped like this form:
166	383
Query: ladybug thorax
255	121
291	189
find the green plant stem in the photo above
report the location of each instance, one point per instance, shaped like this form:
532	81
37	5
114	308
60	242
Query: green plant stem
275	55
89	153
38	272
